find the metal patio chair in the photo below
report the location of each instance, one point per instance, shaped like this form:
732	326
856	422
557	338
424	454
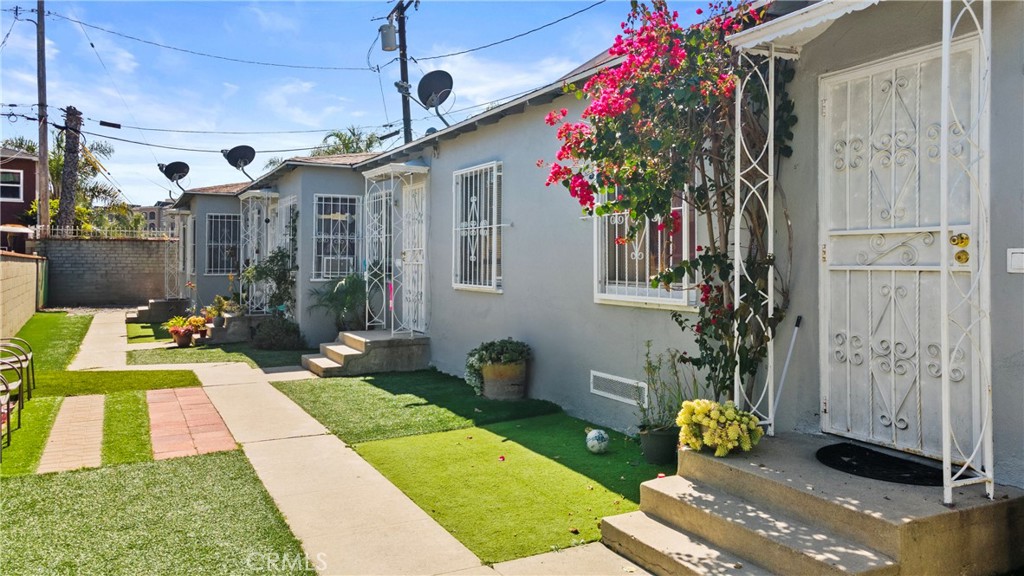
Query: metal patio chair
12	375
5	413
19	348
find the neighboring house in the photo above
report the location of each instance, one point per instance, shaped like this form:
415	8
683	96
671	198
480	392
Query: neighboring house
209	249
155	217
17	192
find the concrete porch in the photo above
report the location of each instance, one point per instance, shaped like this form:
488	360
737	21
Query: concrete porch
369	352
778	510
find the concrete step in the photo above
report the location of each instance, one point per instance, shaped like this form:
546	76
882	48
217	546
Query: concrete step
804	501
322	366
131	317
780	542
661	549
339	353
367	340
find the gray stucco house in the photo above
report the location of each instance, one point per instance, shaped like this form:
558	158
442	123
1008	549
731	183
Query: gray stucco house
465	243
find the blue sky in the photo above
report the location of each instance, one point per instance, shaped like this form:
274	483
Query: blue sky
136	84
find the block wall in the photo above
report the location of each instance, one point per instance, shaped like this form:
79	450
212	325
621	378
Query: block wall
91	272
18	278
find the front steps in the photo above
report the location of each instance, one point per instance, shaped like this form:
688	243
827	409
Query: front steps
157	312
369	352
778	510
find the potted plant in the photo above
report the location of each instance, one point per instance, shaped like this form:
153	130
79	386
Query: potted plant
180	330
658	406
198	325
497	369
720	426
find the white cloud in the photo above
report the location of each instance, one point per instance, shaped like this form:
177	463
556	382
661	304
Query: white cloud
271	21
296	101
229	90
479	80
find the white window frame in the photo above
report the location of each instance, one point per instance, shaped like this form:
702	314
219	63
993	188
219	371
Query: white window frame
21	186
192	237
486	276
231	268
340	264
623	279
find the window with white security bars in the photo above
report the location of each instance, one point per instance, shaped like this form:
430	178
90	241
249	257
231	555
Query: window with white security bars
336	238
623	266
223	236
476	237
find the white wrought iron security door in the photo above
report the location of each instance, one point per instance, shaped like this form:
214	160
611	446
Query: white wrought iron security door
882	231
413	256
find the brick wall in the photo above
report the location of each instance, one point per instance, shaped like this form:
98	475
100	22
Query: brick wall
89	272
17	291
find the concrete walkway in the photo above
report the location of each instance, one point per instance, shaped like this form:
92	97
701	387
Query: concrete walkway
349	518
76	439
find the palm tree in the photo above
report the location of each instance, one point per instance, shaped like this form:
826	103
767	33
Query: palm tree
348	141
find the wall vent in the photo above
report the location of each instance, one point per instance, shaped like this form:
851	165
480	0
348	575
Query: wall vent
618	388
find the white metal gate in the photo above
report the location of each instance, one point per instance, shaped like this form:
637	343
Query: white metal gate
395	268
884	224
414	257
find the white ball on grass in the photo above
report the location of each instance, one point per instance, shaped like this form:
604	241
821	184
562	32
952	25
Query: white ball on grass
597	441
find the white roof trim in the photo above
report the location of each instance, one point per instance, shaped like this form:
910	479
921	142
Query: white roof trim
259	193
389	170
789	33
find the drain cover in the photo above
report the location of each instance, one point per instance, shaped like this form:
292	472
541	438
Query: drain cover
868	463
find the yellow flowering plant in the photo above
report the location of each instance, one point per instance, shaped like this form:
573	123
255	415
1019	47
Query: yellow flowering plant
723	427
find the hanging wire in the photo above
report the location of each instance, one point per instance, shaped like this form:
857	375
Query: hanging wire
207	55
11	29
510	38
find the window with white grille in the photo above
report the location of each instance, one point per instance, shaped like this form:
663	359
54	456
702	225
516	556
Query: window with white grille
336	239
10	185
623	266
476	237
223	234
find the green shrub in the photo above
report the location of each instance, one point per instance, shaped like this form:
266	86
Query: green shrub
278	333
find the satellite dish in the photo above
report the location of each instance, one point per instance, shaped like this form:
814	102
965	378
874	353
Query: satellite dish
433	89
431	130
174	172
240	157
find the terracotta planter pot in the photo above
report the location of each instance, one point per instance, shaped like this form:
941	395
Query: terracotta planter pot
660	446
183	340
504	381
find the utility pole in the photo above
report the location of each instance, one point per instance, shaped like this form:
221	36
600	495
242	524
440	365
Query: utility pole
69	177
43	168
403	65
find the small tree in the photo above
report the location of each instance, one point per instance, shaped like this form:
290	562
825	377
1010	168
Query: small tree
657	133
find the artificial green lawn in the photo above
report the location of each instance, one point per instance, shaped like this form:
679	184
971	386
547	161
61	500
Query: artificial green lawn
22	456
55	338
391	405
548	493
126	428
142	333
240	352
196	515
79	383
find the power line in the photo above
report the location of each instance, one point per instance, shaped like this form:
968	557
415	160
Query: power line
11	29
182	149
207	55
510	38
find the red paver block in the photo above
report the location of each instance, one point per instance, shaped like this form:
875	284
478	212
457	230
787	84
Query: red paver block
183	422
